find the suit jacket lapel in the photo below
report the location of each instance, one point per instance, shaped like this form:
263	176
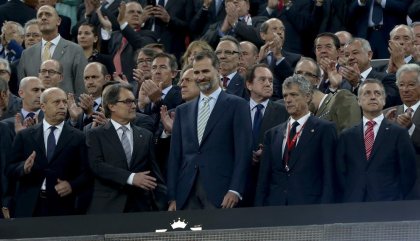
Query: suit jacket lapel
323	108
193	118
382	133
268	117
112	136
64	138
60	49
138	143
278	143
235	84
215	115
309	130
38	139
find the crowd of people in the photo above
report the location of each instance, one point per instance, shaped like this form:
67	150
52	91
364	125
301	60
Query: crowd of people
136	106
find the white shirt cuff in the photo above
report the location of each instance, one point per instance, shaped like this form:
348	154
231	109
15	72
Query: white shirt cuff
236	193
130	179
105	35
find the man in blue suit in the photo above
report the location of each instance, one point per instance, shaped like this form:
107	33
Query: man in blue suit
297	165
376	160
211	144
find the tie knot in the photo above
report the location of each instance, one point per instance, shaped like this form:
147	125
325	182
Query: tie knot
295	124
53	128
48	44
124	128
371	123
206	99
30	115
409	110
259	107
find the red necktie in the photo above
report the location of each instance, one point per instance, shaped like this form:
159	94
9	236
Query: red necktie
369	138
117	56
225	80
280	5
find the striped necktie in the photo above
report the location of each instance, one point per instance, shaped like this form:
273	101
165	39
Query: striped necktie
203	117
126	144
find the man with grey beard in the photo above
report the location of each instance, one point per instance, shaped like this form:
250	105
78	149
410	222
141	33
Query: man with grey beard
209	158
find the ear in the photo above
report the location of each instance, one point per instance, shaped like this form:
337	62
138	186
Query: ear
248	85
174	73
21	93
107	77
43	107
370	54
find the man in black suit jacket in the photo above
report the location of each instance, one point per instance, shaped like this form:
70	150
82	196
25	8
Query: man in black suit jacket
358	53
10	104
237	23
228	52
121	158
375	159
8	12
205	13
280	61
159	90
6	187
305	174
48	162
265	114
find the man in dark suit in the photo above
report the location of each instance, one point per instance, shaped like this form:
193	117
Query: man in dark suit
375	159
48	162
237	23
30	90
6	187
305	174
121	158
206	12
69	54
228	52
8	12
340	108
210	146
281	62
408	114
358	67
265	114
374	19
159	90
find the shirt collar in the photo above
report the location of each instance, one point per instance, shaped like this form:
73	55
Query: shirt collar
54	41
213	95
25	112
377	119
252	103
118	125
166	90
408	59
365	73
301	120
414	107
47	125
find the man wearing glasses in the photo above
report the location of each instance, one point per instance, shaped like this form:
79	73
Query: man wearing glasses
121	157
228	53
51	75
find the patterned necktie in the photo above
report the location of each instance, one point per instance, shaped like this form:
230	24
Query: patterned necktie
126	144
257	123
51	143
203	117
377	13
117	56
287	151
46	54
30	115
369	138
409	111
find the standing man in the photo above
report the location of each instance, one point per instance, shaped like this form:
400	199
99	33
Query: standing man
265	114
375	159
298	160
53	46
211	144
48	162
408	114
121	157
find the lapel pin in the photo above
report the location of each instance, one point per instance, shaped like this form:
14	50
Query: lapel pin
312	130
387	128
141	136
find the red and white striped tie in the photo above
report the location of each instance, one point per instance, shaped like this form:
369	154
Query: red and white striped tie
369	138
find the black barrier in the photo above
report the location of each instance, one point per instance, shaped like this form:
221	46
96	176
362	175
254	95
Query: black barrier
99	226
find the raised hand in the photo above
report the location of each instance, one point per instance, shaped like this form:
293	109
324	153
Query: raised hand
29	163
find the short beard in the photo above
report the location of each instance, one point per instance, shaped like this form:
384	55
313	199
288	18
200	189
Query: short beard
204	87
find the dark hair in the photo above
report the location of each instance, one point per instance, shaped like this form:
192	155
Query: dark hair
250	73
102	67
96	46
231	39
334	37
172	60
210	55
111	95
371	81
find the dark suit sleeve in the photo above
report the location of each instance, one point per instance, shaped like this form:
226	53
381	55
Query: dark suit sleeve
14	167
250	33
138	40
341	168
264	175
407	162
99	167
175	156
80	182
242	129
329	141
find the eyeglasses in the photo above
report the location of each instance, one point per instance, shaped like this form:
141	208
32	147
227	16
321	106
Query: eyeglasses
128	102
34	35
49	71
306	74
226	52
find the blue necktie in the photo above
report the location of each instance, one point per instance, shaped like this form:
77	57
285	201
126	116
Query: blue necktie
158	22
257	124
30	115
51	143
376	13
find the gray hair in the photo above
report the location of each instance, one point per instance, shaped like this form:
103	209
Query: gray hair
408	68
31	22
304	85
365	44
5	63
371	81
392	33
18	26
111	95
47	92
26	80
